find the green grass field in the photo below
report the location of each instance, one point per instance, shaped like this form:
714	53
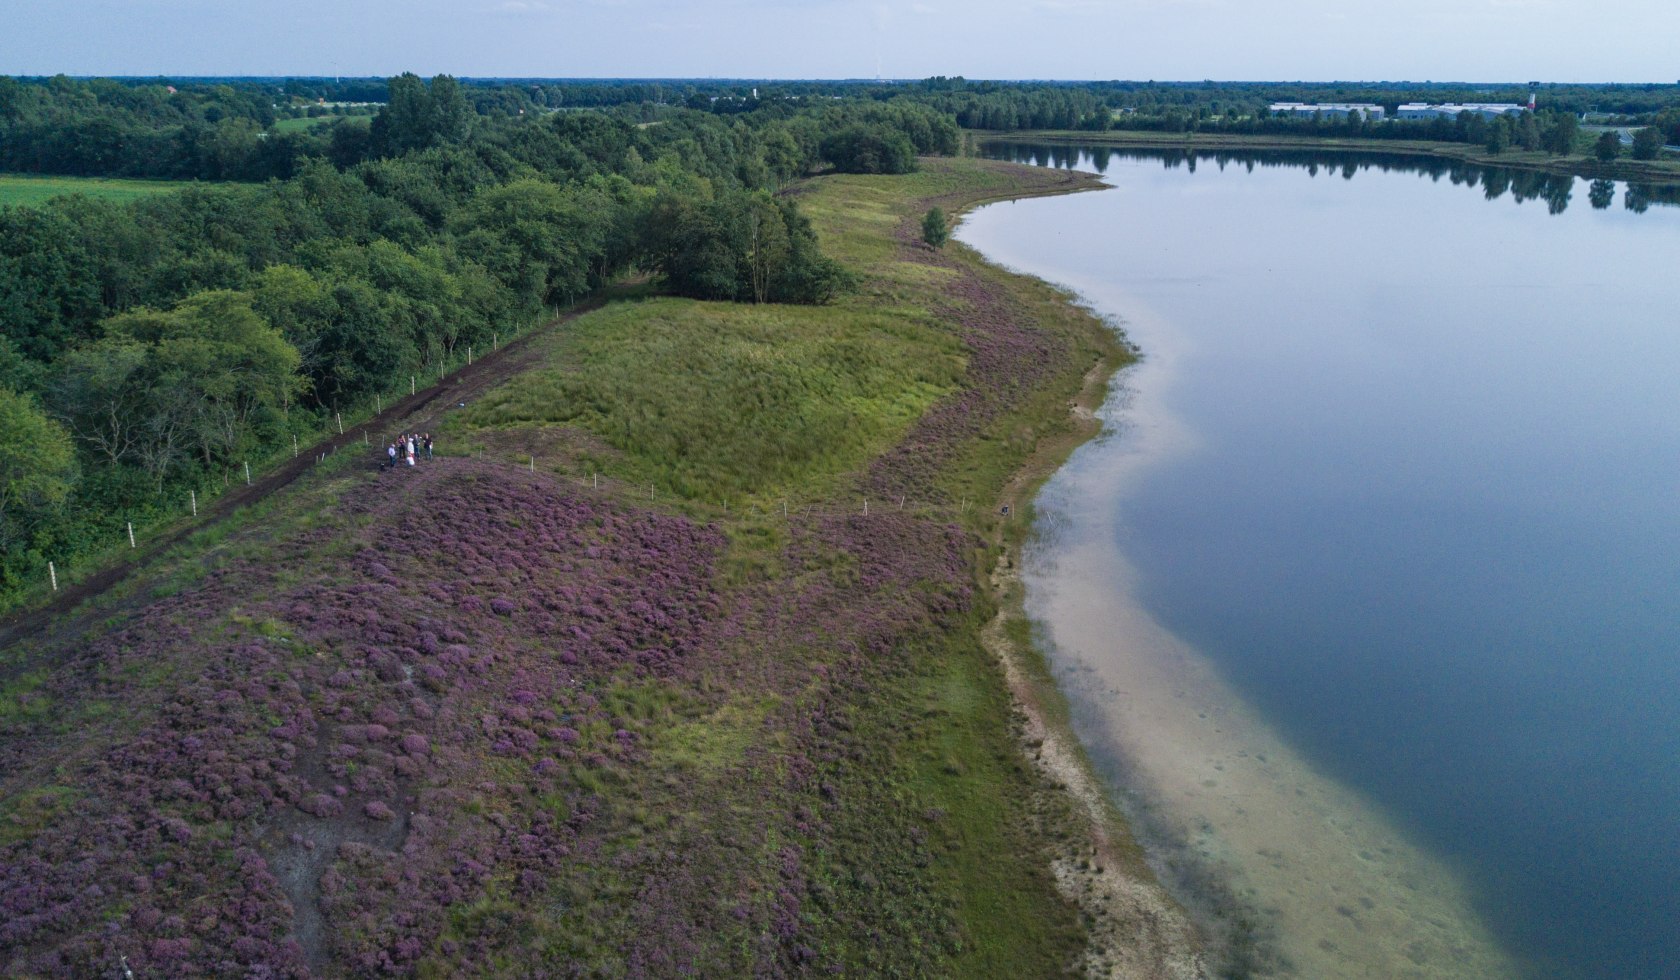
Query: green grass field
720	402
31	189
301	123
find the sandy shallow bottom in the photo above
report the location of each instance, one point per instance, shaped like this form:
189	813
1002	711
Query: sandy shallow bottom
1243	824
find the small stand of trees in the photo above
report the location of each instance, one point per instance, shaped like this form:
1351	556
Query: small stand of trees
935	231
738	246
1647	143
1608	146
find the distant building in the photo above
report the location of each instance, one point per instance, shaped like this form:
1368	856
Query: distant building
1329	110
1450	110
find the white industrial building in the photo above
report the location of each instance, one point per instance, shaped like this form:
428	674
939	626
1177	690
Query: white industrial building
1329	110
1451	110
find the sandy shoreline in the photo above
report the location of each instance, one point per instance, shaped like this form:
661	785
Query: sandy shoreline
1270	868
1289	873
1137	928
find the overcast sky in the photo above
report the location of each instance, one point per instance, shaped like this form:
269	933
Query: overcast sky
1474	40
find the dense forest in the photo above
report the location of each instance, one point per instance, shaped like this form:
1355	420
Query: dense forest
155	346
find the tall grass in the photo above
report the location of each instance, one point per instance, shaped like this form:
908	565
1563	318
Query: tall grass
720	402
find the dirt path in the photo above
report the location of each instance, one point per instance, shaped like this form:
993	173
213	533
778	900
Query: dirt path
419	411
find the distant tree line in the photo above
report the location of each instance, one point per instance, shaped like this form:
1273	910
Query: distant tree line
151	347
226	131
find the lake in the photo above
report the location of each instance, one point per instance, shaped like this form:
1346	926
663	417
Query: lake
1367	602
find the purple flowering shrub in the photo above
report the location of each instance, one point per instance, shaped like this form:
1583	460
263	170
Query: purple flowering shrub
1008	357
291	776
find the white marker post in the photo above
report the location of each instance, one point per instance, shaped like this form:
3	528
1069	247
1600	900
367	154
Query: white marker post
340	420
193	496
247	472
53	574
294	445
469	355
533	464
378	405
411	384
131	534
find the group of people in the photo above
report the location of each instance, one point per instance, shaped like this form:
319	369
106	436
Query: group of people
407	449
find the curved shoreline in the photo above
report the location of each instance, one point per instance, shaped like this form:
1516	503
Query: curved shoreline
1632	171
1136	927
1287	872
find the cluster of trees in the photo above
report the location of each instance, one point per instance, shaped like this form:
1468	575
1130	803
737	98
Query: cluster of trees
1553	132
105	128
151	346
1647	144
226	131
998	106
741	245
1667	124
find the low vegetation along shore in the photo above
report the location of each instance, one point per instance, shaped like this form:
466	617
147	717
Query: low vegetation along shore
698	652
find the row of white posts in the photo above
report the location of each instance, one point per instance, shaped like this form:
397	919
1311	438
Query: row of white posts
338	419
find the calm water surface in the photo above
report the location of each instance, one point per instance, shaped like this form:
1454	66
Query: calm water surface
1400	472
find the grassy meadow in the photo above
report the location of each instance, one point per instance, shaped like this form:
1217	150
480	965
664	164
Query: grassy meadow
726	403
30	189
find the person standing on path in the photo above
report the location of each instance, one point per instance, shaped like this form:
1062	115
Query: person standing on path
428	440
391	455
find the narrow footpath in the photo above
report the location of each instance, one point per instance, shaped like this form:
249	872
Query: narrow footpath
419	411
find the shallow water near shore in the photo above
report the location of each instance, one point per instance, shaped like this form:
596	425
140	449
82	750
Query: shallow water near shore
1368	602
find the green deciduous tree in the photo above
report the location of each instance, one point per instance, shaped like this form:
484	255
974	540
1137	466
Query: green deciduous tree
37	464
1498	135
537	238
417	115
745	246
1647	143
1608	147
204	378
870	150
1559	133
934	230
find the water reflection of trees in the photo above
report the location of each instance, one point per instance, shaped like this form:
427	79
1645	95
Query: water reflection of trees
1555	190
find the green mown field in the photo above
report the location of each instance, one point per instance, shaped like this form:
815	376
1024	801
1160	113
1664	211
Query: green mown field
31	189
